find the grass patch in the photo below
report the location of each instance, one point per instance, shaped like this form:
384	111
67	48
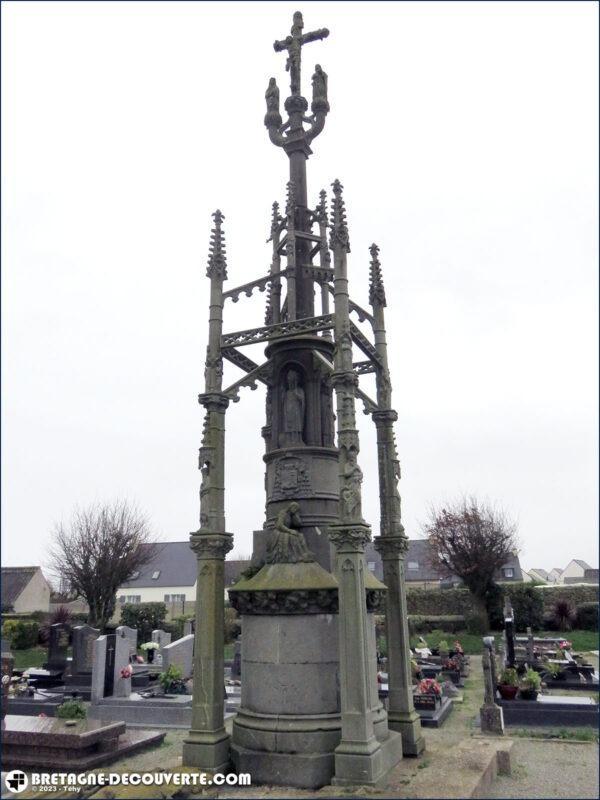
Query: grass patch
583	641
569	735
228	651
33	657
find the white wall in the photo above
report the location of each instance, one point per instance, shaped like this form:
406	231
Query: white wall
156	594
35	596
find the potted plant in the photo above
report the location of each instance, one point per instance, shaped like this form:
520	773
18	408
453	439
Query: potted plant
171	680
443	648
530	685
149	648
555	672
508	685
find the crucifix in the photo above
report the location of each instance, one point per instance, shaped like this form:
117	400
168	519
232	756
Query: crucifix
293	45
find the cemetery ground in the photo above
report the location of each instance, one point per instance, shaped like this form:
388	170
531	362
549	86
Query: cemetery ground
545	762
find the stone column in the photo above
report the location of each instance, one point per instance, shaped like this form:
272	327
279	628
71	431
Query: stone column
402	716
358	757
207	744
392	542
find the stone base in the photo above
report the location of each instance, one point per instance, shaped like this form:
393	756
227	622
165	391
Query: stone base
408	725
303	770
207	751
353	767
492	720
435	719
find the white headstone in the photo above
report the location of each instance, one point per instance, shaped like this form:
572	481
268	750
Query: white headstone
180	653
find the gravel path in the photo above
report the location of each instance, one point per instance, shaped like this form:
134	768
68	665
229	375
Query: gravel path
549	770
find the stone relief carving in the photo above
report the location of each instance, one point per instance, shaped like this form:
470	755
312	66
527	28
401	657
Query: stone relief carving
323	601
351	488
294	404
292	478
287	544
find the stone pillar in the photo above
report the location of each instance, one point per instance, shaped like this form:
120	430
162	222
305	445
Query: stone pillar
207	744
392	542
360	757
402	716
530	649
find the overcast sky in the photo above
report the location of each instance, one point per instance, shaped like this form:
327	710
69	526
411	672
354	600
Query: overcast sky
466	136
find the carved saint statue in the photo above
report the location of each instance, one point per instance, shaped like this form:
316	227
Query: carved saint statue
272	96
204	490
351	489
293	412
319	84
288	546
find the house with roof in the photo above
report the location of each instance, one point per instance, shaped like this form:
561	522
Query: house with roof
420	572
578	571
24	589
538	574
170	578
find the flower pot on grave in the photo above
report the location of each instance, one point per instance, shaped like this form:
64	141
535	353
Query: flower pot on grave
507	692
528	694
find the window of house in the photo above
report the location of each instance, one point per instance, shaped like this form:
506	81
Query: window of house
413	565
133	598
174	598
121	599
371	565
509	572
155	574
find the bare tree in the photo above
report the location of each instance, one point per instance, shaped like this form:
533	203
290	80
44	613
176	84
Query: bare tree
472	540
100	549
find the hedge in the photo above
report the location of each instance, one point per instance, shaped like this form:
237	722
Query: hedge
22	634
452	623
587	617
574	595
440	602
146	617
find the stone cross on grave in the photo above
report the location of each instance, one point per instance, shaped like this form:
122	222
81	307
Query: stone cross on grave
293	45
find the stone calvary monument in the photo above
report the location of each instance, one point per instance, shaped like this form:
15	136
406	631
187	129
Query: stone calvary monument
310	713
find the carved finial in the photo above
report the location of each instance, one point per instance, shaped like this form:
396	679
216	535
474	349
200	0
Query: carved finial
290	205
339	227
321	209
269	308
217	260
376	288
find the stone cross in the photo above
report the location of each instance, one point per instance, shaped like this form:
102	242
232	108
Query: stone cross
293	45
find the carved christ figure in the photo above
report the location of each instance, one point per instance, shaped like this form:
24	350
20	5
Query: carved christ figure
288	546
293	411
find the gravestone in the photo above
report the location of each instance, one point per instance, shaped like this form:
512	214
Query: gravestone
8	663
490	714
84	637
111	655
80	680
180	653
188	627
131	634
509	634
529	648
5	645
57	647
162	638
